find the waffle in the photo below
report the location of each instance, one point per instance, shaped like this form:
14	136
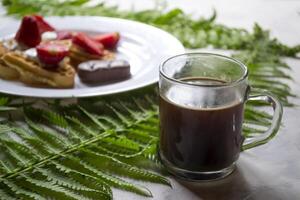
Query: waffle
32	73
6	72
78	55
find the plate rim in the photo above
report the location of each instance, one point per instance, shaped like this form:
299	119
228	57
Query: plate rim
181	49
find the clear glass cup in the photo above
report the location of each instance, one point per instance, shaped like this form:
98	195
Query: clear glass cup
202	97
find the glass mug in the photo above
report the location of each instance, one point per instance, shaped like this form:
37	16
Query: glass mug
201	108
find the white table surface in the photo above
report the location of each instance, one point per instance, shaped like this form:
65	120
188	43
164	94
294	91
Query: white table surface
271	171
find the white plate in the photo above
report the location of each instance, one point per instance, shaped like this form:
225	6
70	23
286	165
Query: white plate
142	45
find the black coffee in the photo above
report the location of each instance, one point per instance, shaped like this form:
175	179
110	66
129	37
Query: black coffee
198	139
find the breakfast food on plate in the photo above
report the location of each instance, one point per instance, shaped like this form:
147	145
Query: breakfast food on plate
31	30
33	74
109	40
96	71
41	56
5	71
84	48
51	53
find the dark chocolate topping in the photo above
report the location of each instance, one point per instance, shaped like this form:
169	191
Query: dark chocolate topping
100	71
94	65
119	63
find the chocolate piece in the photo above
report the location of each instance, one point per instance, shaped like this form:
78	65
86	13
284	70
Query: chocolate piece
103	71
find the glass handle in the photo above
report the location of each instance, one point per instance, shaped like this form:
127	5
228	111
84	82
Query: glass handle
276	121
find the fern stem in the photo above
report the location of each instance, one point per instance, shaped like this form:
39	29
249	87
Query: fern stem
71	149
63	153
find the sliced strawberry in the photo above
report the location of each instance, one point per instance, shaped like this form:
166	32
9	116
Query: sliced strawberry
28	33
51	53
31	29
109	40
64	35
88	44
42	24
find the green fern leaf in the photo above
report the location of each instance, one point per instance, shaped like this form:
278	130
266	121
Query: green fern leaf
19	151
93	118
117	182
86	179
78	166
7	108
50	189
121	116
63	180
5	167
4	195
20	191
113	123
115	166
82	127
52	141
5	128
4	101
55	119
117	152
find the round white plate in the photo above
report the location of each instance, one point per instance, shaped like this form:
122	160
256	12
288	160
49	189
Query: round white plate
142	45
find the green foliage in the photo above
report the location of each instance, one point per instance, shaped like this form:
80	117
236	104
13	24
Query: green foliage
193	33
258	50
81	151
46	153
40	150
4	104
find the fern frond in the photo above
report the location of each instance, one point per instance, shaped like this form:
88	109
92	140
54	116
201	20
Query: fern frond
117	182
4	101
116	166
93	118
139	135
115	152
50	189
4	195
7	108
64	180
121	116
5	167
81	127
55	118
5	104
21	191
85	179
5	128
137	116
50	140
36	145
112	122
20	152
77	165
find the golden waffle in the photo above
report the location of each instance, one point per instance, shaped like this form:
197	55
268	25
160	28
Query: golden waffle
3	49
32	73
6	72
78	55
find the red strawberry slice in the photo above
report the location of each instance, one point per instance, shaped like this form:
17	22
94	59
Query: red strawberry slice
64	35
51	53
88	44
43	25
28	33
109	40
